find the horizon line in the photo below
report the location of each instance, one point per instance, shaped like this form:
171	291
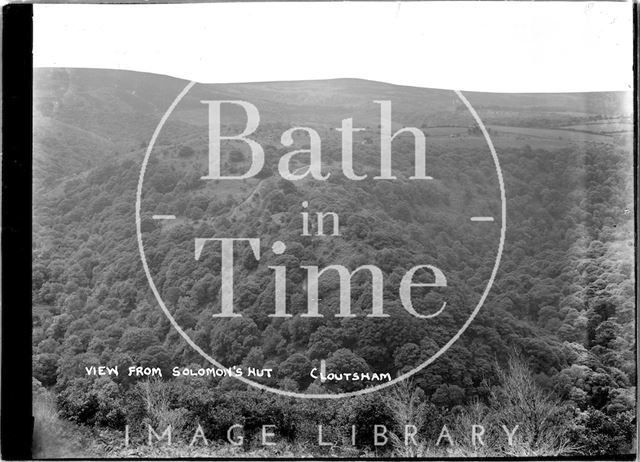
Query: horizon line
251	82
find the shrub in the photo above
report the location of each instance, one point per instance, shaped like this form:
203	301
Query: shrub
186	151
92	402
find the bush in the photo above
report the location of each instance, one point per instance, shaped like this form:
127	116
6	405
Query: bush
598	434
186	151
92	402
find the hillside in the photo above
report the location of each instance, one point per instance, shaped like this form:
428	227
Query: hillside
84	116
562	298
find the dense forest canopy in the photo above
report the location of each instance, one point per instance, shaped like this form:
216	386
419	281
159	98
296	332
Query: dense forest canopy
563	295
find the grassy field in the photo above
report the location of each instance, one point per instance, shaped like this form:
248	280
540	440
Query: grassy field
552	133
603	127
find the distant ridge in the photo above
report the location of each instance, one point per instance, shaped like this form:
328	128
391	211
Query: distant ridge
82	116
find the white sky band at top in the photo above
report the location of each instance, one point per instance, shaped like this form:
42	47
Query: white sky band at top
473	46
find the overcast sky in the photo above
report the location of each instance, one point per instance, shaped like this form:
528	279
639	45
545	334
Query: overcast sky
502	46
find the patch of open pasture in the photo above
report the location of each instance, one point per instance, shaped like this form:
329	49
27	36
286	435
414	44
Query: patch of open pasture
603	127
444	131
553	133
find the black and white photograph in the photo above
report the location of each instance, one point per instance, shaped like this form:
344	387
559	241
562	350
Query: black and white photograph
347	230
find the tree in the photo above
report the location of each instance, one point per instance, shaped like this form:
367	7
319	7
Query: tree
45	368
541	416
346	361
448	395
137	339
296	367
